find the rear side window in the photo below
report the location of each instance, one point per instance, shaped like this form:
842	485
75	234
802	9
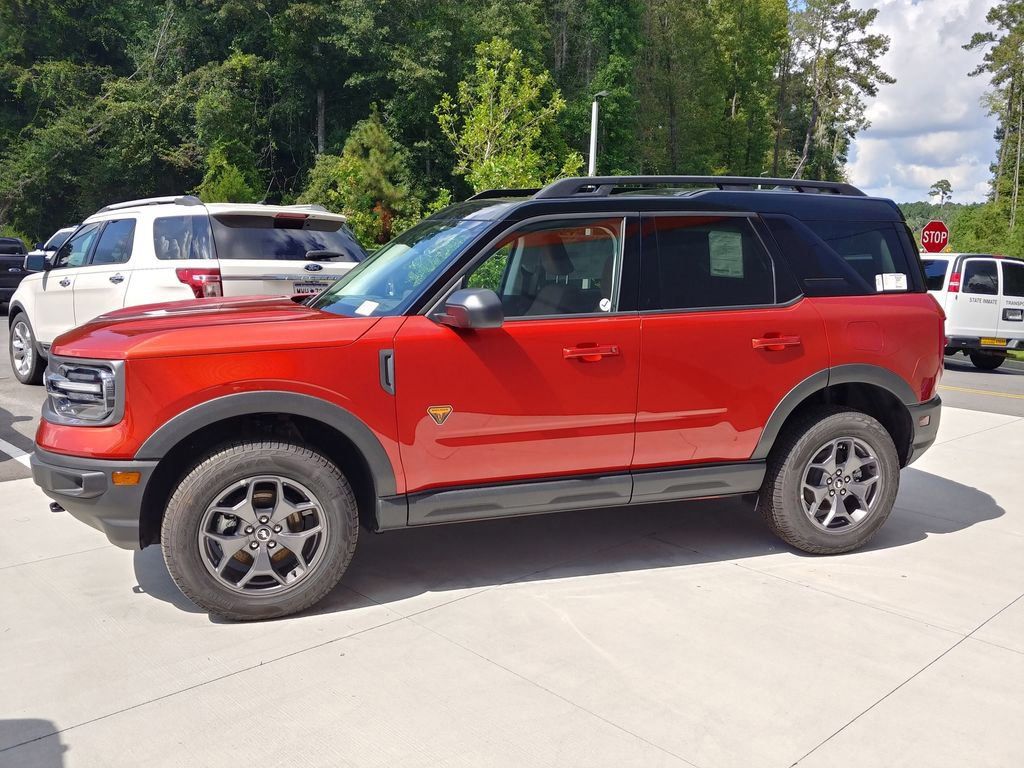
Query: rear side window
981	276
935	273
844	258
703	262
1013	279
182	237
285	239
115	245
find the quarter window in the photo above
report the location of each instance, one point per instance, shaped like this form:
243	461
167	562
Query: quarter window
182	237
981	276
702	262
554	268
935	273
1013	279
115	245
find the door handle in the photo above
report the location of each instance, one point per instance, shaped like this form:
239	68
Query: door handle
65	282
776	342
14	269
591	353
118	278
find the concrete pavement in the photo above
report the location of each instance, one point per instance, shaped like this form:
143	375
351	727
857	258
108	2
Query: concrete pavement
668	635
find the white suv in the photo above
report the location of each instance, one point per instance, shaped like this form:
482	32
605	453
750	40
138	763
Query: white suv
172	248
983	297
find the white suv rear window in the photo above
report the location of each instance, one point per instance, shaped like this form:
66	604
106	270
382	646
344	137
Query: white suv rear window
182	237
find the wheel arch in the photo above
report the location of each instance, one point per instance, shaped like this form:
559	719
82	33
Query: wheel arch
334	431
871	389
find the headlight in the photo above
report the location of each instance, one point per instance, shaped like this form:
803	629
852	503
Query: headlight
84	392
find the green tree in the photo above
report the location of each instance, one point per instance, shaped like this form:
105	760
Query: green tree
368	182
943	190
223	181
498	120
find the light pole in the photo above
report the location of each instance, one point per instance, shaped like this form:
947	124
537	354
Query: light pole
592	165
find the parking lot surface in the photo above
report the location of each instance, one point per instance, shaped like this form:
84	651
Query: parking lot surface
667	635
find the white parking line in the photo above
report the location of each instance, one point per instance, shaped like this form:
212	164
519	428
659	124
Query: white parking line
14	452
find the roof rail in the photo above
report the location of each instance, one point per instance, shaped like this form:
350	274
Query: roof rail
602	186
489	194
175	199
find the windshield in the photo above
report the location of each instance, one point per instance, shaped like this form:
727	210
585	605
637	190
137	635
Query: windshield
390	279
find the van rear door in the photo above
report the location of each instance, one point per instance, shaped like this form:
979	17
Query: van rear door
1011	300
975	310
281	251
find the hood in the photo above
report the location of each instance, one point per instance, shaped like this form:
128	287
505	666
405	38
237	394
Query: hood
208	326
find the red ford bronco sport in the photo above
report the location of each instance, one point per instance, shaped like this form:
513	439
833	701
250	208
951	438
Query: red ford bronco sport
600	342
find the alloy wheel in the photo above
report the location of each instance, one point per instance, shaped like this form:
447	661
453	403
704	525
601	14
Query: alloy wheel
841	485
22	353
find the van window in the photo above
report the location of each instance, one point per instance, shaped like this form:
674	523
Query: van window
1013	279
182	237
935	273
981	276
243	236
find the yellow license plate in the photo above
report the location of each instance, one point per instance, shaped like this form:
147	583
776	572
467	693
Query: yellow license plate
993	342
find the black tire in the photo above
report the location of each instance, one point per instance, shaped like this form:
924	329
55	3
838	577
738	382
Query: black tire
987	361
233	463
781	496
37	365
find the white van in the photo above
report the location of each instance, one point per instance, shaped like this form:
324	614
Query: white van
983	297
168	249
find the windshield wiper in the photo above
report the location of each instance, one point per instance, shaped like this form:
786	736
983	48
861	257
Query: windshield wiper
328	256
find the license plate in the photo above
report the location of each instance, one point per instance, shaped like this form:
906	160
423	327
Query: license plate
993	342
309	287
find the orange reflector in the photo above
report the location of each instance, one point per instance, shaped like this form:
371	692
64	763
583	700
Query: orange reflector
126	478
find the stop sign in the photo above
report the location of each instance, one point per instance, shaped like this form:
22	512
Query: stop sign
934	236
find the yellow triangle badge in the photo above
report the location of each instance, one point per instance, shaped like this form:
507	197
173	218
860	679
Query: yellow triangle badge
439	413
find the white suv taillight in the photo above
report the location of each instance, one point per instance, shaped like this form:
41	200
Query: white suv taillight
203	282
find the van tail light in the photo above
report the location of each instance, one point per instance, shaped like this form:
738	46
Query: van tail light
954	283
204	283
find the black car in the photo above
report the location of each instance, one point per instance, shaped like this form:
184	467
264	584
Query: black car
12	266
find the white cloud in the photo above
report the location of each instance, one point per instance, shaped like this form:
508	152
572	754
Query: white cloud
931	124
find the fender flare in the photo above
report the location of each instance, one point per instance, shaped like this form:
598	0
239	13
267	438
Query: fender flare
856	373
14	308
198	416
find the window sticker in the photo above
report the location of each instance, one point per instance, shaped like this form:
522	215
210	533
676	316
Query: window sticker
367	307
726	248
890	281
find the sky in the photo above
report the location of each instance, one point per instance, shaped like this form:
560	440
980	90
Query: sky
931	124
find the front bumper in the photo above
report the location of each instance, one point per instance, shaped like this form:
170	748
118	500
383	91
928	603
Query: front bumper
84	488
924	426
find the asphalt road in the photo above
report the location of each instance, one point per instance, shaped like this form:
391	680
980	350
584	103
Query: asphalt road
963	386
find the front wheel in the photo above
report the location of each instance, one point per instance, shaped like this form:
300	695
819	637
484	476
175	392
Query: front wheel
831	481
987	361
26	363
259	530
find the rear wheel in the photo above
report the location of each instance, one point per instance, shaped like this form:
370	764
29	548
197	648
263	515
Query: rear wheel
259	530
831	481
26	363
987	361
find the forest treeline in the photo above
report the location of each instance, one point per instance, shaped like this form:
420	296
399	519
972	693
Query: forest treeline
385	109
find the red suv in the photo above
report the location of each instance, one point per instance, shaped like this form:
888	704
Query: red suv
600	342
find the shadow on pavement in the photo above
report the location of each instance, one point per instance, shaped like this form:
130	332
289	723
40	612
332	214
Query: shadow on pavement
403	564
35	749
10	434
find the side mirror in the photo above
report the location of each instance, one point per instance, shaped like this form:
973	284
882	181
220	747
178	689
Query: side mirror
36	262
475	308
40	246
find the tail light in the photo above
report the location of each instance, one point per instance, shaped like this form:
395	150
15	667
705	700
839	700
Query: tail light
954	283
203	282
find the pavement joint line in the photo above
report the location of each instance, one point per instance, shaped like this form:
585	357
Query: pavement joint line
54	557
557	695
14	452
980	431
203	683
820	590
968	636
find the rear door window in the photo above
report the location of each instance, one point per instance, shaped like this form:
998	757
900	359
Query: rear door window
1013	279
289	238
981	276
935	273
703	262
115	245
